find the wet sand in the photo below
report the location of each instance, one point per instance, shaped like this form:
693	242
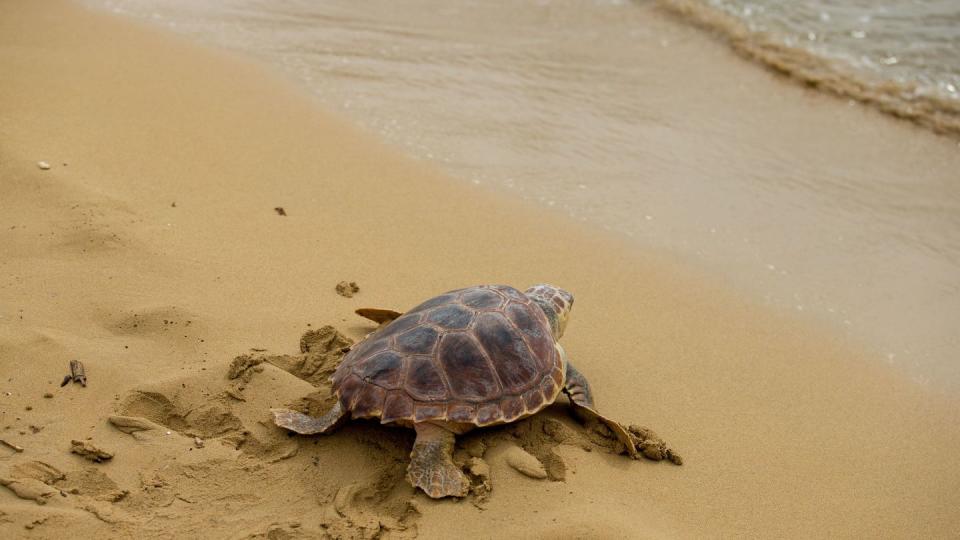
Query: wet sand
151	250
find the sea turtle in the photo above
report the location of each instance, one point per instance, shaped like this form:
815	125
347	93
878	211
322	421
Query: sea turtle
473	357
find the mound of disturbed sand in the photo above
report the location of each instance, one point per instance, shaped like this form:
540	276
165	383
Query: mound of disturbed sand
217	456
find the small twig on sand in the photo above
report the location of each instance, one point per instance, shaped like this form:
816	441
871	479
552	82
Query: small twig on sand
9	444
77	374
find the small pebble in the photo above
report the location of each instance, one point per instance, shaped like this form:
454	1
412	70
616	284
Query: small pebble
43	165
47	395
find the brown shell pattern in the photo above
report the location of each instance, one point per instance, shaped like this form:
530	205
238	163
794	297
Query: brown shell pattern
481	355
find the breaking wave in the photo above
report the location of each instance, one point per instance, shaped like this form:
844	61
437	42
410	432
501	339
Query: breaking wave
909	100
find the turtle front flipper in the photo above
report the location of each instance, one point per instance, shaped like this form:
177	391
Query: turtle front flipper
309	425
637	440
431	463
378	315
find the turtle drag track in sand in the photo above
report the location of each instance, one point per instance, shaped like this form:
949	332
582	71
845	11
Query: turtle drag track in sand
211	459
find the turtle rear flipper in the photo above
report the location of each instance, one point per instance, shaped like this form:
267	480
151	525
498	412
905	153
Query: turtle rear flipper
309	425
431	463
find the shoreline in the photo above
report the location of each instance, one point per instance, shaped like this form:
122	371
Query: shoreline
671	140
900	100
784	429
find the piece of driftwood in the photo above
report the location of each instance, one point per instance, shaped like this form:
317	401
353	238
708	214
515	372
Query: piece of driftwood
12	446
77	374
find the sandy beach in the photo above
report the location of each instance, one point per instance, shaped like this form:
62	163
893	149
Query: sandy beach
149	247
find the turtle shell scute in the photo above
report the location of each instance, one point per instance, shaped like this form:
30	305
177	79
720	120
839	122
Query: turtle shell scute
424	381
398	326
418	340
535	328
424	412
512	408
384	369
533	399
451	317
397	406
462	412
515	364
368	347
512	294
482	298
467	368
369	402
548	386
489	413
349	390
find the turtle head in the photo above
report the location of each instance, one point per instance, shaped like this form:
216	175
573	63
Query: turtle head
555	303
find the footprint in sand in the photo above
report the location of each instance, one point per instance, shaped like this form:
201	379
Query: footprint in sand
29	489
204	408
39	482
80	221
155	321
204	420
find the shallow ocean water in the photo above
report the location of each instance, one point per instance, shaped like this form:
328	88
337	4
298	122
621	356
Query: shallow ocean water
909	41
614	114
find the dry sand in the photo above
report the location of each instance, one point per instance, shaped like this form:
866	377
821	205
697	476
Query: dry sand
151	250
